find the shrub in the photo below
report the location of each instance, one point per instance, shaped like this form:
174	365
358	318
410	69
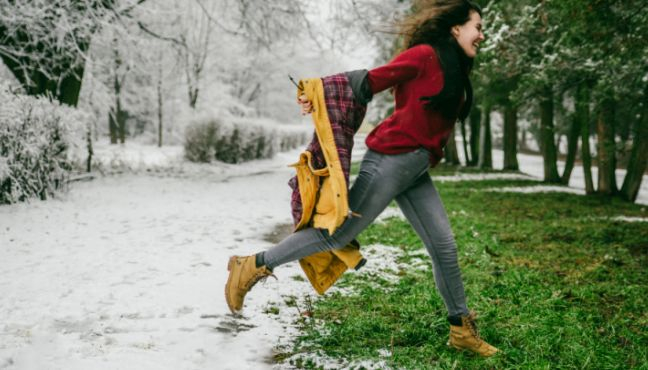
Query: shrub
239	140
199	141
40	142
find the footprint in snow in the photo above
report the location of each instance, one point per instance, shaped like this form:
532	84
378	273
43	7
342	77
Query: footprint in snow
232	325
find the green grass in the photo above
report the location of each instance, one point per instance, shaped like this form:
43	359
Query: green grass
556	284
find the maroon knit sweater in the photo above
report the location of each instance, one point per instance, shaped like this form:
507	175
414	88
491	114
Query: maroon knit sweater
414	73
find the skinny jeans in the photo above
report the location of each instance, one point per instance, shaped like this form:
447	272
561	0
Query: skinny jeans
382	178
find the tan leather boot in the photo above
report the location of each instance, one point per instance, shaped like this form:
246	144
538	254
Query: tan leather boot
243	274
467	337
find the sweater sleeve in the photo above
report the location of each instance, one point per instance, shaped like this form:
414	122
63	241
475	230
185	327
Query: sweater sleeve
404	67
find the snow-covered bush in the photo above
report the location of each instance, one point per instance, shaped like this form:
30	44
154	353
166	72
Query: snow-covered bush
39	143
239	139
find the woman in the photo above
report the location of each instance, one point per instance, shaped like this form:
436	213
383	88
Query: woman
431	89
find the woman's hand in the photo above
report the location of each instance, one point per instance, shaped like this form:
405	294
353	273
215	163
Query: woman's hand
306	105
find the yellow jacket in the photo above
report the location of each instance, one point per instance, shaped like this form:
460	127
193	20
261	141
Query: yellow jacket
324	196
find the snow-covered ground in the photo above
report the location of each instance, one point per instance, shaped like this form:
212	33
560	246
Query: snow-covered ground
128	271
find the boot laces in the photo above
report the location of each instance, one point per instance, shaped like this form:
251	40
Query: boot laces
259	276
472	326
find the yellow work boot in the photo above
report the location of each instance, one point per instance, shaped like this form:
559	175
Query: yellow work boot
464	335
243	274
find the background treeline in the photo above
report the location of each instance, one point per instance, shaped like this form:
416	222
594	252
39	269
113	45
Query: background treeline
568	78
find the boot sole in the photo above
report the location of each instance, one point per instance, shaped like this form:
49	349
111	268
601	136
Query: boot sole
230	265
451	345
462	349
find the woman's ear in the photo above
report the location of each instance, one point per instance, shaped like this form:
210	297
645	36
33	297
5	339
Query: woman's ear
455	31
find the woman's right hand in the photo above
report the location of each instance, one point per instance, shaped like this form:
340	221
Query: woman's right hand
306	105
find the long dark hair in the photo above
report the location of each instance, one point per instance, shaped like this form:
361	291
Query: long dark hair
430	23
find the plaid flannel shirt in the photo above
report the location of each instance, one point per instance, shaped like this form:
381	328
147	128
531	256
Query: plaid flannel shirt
345	115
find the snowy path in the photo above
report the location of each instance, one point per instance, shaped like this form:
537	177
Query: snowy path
128	272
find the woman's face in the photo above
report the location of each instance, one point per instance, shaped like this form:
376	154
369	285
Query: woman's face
469	34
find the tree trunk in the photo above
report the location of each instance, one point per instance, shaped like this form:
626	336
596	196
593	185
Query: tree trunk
112	125
193	97
89	147
605	147
548	147
450	152
583	115
572	148
117	120
510	138
486	152
638	157
475	123
159	96
465	142
121	122
523	140
117	117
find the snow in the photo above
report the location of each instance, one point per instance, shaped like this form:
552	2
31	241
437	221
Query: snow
127	271
629	219
532	165
538	189
482	177
390	212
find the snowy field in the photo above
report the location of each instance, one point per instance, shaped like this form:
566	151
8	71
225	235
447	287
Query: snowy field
128	271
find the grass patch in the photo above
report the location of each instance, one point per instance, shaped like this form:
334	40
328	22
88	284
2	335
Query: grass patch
556	283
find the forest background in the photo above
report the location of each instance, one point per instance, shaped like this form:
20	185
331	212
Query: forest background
567	79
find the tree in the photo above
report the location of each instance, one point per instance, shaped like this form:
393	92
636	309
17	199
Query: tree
485	141
510	137
582	116
638	158
117	115
475	128
606	146
548	145
572	148
47	55
450	151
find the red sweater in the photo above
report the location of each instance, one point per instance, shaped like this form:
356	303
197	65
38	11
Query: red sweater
414	73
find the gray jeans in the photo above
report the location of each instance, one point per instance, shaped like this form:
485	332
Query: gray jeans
382	178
